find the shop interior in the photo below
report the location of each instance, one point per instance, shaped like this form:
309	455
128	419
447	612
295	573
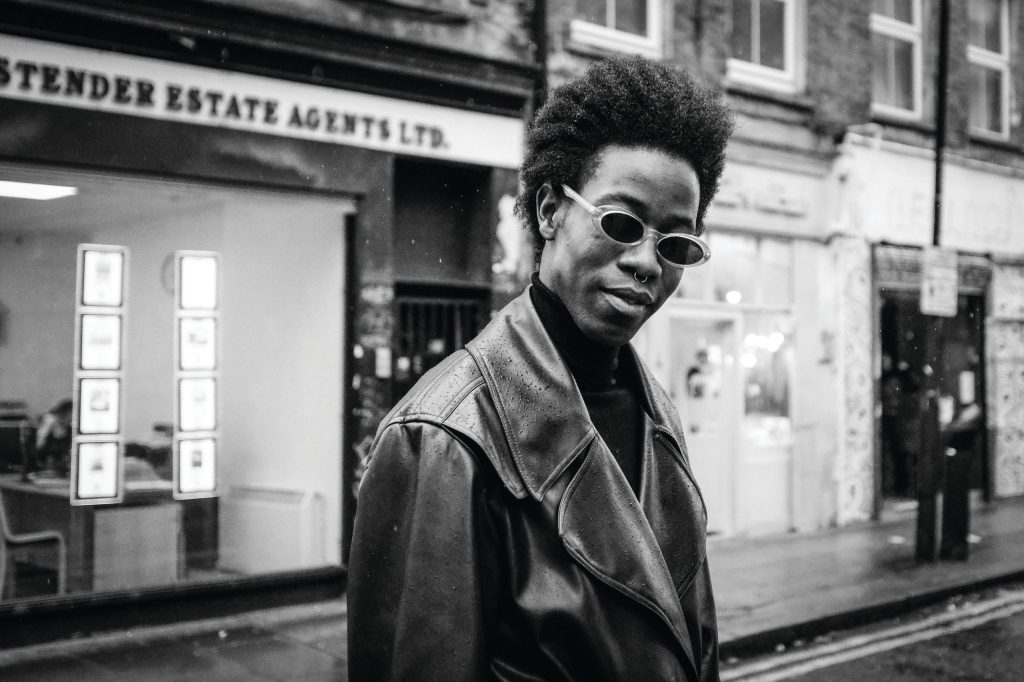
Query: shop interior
276	506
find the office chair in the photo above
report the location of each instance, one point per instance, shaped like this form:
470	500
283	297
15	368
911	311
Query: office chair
11	539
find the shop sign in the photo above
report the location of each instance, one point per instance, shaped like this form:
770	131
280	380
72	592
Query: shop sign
939	282
105	81
768	199
892	194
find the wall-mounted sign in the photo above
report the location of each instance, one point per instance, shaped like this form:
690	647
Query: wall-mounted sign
196	347
939	282
768	199
892	191
106	81
99	374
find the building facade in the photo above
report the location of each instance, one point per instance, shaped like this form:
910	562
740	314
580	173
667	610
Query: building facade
331	175
795	354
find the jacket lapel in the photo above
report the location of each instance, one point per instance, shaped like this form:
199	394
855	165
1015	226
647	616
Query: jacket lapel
602	524
606	529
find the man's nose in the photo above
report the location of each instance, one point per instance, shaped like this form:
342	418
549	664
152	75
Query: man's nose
643	257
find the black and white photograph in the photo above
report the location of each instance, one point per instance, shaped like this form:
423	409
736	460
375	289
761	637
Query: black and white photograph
561	340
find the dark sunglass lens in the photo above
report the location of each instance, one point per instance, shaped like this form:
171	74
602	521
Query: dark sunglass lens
680	250
622	228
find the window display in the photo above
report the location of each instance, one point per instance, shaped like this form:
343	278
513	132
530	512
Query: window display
177	388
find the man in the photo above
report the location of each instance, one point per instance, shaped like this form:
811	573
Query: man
528	512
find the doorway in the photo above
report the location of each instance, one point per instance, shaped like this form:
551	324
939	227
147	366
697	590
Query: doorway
960	381
704	383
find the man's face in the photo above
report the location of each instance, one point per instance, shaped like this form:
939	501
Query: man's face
593	275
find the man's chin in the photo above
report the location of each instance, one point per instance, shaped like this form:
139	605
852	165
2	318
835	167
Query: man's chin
610	334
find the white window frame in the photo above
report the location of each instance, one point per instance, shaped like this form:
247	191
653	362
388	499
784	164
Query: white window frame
602	36
911	33
787	79
996	61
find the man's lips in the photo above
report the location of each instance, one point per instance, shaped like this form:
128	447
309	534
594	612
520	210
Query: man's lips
630	295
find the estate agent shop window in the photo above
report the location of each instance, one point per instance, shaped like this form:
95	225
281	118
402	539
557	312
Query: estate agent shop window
170	382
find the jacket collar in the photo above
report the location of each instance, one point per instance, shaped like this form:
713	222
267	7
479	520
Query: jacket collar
545	421
547	427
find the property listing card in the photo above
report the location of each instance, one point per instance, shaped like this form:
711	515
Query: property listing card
97	419
196	376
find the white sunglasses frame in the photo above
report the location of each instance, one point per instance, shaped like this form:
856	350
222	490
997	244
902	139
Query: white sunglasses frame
598	212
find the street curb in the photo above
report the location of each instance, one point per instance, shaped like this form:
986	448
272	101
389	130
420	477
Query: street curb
266	619
763	642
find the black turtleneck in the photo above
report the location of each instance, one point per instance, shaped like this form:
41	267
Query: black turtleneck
607	379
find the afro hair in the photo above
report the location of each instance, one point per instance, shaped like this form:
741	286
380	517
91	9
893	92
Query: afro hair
631	102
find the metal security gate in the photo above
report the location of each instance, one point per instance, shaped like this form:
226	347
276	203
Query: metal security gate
432	322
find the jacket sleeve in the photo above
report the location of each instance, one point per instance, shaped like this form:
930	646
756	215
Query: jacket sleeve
422	578
708	653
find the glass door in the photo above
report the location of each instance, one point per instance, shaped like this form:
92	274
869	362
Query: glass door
704	383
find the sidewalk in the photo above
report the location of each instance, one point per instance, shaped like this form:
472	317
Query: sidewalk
769	590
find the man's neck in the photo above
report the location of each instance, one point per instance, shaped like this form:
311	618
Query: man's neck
592	364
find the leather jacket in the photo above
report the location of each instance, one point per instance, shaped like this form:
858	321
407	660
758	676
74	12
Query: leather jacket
497	538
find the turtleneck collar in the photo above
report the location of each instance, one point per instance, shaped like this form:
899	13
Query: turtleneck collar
592	364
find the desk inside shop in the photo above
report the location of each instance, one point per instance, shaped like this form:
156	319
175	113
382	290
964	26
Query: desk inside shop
149	539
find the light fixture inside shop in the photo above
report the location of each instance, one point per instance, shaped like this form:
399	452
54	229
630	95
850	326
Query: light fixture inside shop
31	190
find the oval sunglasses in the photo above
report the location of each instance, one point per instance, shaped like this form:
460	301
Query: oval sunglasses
679	250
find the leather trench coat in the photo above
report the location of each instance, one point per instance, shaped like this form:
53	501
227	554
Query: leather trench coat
497	538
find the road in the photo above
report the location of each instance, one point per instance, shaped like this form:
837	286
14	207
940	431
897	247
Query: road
977	637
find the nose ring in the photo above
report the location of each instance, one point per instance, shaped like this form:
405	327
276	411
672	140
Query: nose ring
639	278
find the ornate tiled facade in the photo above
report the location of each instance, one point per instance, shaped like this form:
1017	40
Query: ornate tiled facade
1006	378
855	468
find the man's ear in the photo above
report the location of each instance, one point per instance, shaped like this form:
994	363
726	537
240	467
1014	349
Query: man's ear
547	206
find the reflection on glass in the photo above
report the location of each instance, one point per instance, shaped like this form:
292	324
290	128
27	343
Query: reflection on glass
766	357
594	11
773	34
631	16
892	75
277	342
985	27
900	10
986	104
742	19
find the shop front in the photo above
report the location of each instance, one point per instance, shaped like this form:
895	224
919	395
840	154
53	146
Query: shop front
197	284
888	206
738	348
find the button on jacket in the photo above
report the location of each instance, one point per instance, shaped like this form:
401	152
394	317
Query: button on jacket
497	538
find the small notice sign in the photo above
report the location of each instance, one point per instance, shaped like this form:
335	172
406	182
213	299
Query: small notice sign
939	282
